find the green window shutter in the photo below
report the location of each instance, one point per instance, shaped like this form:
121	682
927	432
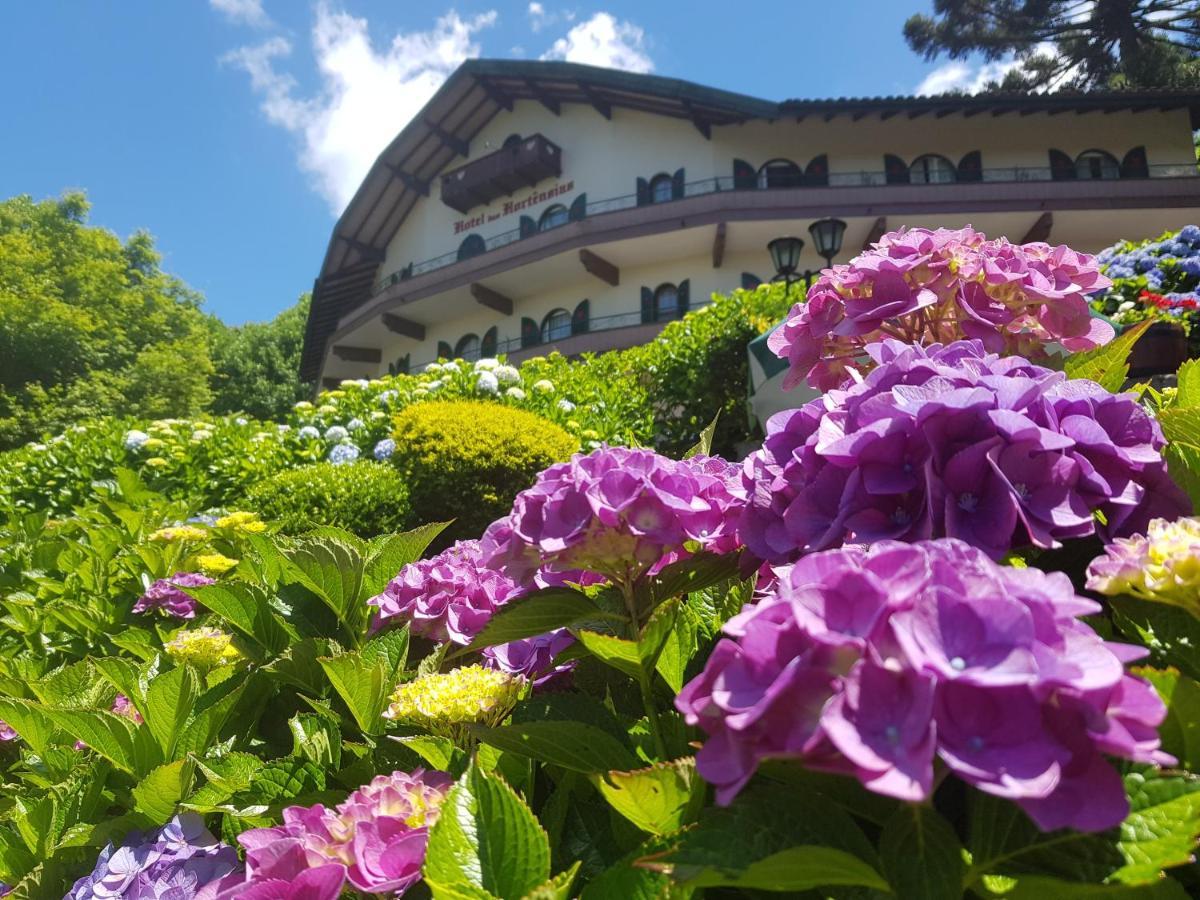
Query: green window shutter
580	318
1135	164
744	176
528	226
643	192
750	281
683	291
816	173
678	184
647	305
531	335
487	346
970	167
895	170
1062	167
445	351
577	211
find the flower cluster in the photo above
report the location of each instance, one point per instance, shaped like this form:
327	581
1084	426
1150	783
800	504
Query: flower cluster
181	860
215	563
1162	565
179	534
243	522
6	732
533	658
165	594
204	648
952	441
449	597
444	703
1158	261
616	512
872	662
930	286
375	841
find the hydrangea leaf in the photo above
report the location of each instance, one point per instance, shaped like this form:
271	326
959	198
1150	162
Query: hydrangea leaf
1036	887
331	566
299	665
108	734
656	632
284	780
534	615
576	746
1188	384
1181	424
127	677
617	652
170	700
1183	464
318	739
1171	633
388	554
557	888
703	445
628	881
694	573
486	837
247	608
361	685
1180	733
73	686
659	799
1108	366
30	721
158	794
922	855
438	752
215	707
1162	829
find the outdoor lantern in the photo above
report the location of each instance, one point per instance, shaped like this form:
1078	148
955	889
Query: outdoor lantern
785	256
827	238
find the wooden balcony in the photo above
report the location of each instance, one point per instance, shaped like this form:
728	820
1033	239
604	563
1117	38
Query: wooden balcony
522	164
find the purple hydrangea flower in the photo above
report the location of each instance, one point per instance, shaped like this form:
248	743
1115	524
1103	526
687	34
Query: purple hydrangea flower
533	657
375	840
941	285
618	513
872	662
165	594
181	860
952	441
6	732
449	597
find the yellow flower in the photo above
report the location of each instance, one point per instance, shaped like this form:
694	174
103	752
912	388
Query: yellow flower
156	462
445	703
179	533
153	443
246	522
204	648
215	563
1163	565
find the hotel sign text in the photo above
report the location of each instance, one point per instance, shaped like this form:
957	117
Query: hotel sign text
533	198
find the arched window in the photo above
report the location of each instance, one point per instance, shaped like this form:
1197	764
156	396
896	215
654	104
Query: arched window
467	347
666	303
780	173
661	188
1096	164
472	245
932	169
553	217
511	141
556	326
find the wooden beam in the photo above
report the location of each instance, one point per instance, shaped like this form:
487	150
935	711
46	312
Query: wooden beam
600	267
887	114
701	124
358	354
605	109
457	144
331	384
497	96
878	227
412	182
402	326
366	251
1039	230
492	299
543	98
718	250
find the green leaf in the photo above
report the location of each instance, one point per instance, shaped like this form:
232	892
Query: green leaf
30	721
533	615
1181	424
170	701
388	554
656	632
486	837
318	739
73	686
799	869
1183	465
213	711
1180	733
1188	384
108	734
659	799
1036	887
365	678
617	652
1108	365
439	752
1162	828
703	445
159	793
286	779
557	888
693	573
330	565
1171	633
573	745
921	854
247	608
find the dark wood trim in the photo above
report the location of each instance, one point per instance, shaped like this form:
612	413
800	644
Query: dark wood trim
485	296
1039	230
404	327
410	181
358	354
718	248
457	144
600	267
331	384
497	96
878	227
366	251
543	98
602	107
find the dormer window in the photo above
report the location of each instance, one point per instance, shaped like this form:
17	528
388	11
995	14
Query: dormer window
932	169
661	188
1096	165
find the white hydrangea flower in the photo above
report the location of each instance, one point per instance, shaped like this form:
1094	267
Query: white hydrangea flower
355	424
451	366
336	433
377	416
486	383
566	406
516	393
201	434
353	383
388	397
308	433
327	409
433	368
544	386
241	420
134	439
284	428
486	364
507	374
302	406
37	448
433	385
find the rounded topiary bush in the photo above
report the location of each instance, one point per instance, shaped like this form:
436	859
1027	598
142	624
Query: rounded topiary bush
367	498
467	460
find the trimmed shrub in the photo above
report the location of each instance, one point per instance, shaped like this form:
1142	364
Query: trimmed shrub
366	498
466	460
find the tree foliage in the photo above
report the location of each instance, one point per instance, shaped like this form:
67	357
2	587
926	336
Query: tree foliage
256	364
1068	43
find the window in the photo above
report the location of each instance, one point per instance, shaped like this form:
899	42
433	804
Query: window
467	347
472	245
666	303
553	217
661	188
780	173
1096	164
511	141
556	326
932	169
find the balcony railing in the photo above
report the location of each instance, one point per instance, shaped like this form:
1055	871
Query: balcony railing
1008	174
521	164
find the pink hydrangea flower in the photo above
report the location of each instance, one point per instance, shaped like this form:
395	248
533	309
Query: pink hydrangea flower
6	732
927	286
165	594
874	662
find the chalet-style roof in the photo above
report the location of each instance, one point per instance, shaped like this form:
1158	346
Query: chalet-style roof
442	131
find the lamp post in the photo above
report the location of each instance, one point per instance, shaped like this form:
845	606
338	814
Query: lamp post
785	252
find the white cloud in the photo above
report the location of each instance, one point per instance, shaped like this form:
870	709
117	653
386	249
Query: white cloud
603	41
366	95
243	12
959	76
537	16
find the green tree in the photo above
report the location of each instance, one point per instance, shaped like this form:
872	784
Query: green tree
1068	43
257	364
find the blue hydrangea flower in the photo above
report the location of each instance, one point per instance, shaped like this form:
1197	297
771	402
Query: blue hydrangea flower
336	433
1190	233
343	453
135	440
354	424
1191	265
384	449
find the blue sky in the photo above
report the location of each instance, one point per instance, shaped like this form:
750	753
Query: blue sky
234	130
